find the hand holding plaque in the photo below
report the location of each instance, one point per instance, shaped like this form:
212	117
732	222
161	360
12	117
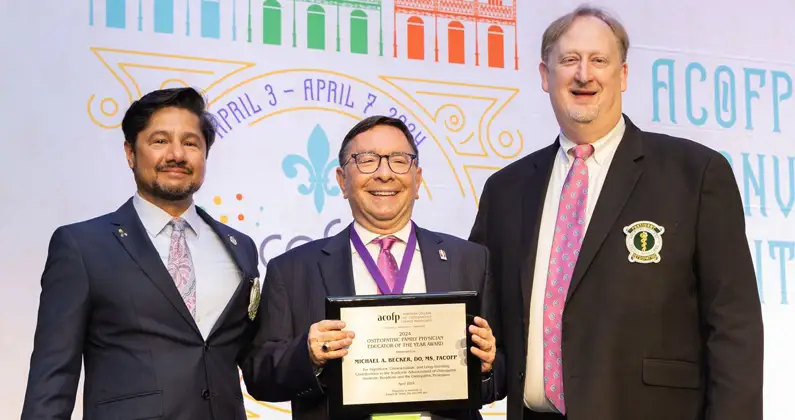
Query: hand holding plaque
486	349
326	341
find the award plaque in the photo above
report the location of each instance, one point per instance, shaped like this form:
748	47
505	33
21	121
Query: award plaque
410	354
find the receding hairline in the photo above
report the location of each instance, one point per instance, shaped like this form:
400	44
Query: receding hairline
561	25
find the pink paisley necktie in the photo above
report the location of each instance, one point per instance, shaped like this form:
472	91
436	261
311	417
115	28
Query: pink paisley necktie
569	233
387	264
180	265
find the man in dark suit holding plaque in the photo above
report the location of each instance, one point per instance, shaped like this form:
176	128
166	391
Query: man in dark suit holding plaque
380	176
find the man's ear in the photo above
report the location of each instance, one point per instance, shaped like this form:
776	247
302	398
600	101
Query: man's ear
419	183
129	152
543	70
341	182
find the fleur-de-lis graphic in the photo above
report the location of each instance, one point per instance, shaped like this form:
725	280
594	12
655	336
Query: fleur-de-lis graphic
318	166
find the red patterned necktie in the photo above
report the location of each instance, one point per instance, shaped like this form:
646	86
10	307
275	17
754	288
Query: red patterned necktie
180	265
387	264
569	233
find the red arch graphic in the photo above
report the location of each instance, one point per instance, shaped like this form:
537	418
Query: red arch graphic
455	42
415	31
496	45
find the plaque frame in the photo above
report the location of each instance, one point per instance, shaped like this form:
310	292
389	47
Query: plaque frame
332	375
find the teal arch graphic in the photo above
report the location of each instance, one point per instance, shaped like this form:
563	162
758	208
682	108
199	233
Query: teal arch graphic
318	164
160	16
271	22
316	27
358	32
164	16
116	14
211	19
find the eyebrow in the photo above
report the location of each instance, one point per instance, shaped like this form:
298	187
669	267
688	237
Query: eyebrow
390	153
581	53
168	134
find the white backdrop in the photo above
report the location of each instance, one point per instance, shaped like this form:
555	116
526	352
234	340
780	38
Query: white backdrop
291	78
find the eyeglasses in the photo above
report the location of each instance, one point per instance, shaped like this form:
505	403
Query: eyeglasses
368	162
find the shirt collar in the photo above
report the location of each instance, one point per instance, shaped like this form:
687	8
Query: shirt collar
156	219
366	236
602	147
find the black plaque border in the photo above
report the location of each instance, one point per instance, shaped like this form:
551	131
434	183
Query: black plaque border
333	369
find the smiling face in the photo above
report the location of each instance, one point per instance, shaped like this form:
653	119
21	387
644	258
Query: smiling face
585	76
382	202
169	157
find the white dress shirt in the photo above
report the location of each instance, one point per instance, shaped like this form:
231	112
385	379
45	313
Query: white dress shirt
363	281
217	274
598	164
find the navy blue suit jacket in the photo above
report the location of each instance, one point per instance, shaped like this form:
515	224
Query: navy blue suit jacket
108	299
295	290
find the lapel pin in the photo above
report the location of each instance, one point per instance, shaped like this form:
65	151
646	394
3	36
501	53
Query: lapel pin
232	240
442	255
644	241
122	233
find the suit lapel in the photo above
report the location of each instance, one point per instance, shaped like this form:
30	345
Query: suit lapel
534	190
436	270
336	267
236	250
625	170
128	229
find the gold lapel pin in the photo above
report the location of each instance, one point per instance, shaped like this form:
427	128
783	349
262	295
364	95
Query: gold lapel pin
122	233
442	255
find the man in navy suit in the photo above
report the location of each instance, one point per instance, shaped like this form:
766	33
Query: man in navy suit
154	296
380	176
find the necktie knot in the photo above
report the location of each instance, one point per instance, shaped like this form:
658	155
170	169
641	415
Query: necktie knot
582	151
178	224
386	242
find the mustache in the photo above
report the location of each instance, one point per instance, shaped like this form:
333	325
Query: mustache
581	85
175	165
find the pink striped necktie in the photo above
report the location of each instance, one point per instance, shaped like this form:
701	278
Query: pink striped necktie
180	265
387	264
568	237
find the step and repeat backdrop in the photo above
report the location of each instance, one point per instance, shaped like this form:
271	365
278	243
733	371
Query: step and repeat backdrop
288	78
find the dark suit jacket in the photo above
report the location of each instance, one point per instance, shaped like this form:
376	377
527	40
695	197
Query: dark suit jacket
296	286
679	339
107	298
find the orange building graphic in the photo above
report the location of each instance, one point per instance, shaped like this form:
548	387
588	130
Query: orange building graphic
461	27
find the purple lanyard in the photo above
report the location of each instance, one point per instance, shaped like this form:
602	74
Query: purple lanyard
403	272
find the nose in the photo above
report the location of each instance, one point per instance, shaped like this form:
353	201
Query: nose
383	171
583	74
176	152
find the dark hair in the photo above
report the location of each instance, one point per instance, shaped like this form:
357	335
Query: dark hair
137	117
368	124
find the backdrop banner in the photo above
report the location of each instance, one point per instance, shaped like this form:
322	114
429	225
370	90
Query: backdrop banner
287	79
